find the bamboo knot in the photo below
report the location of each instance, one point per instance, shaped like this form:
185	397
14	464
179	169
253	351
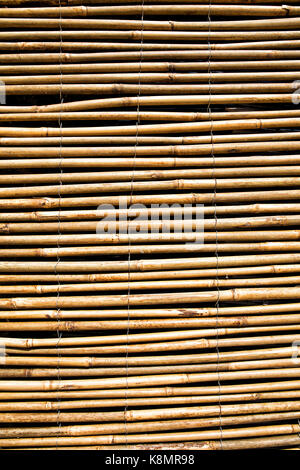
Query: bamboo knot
286	9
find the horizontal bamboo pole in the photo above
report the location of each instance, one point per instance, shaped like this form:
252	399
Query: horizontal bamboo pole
137	35
147	313
90	362
230	54
230	10
142	371
131	212
223	66
161	100
121	46
183	198
95	429
154	225
146	324
151	392
99	239
148	77
218	124
32	344
175	184
11	3
228	444
155	414
264	136
205	149
274	293
165	185
119	89
159	26
174	345
137	162
144	175
147	265
289	432
130	382
81	404
192	243
144	116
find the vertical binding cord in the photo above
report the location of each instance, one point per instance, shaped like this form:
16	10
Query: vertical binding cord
58	332
128	221
217	304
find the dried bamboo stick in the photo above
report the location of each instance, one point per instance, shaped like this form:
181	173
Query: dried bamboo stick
90	362
121	46
232	123
175	345
154	225
132	115
288	429
133	55
142	371
111	383
112	24
146	324
155	414
143	175
154	391
182	198
94	429
136	34
176	184
147	313
239	65
148	265
87	88
184	247
161	100
224	10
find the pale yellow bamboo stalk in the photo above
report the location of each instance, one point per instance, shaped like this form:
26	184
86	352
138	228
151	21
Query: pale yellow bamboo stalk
227	10
150	35
140	162
147	313
173	345
110	403
161	100
131	212
94	429
183	198
148	265
189	243
147	324
186	140
164	185
32	344
148	225
287	429
87	362
155	391
230	54
150	414
235	120
144	115
13	373
244	25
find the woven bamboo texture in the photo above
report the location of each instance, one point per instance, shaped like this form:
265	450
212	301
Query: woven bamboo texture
123	324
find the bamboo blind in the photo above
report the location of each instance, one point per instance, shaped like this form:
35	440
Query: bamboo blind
126	340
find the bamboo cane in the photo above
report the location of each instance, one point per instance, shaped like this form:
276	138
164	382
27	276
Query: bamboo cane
230	10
